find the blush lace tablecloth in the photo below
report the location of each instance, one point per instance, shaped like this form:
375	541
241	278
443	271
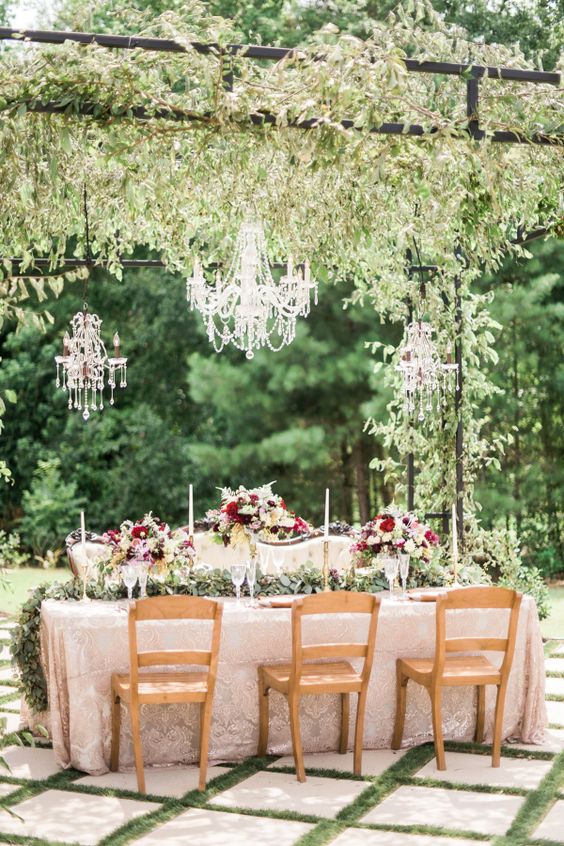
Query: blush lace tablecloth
83	644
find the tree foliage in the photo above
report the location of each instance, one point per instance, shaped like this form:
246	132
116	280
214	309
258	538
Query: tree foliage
352	200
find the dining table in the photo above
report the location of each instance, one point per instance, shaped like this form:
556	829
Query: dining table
83	643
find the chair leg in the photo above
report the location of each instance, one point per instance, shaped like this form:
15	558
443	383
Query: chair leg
116	726
435	694
498	726
359	732
480	714
345	713
137	751
205	724
264	701
401	701
294	706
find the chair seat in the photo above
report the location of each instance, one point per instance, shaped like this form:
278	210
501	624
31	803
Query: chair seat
465	670
163	687
326	677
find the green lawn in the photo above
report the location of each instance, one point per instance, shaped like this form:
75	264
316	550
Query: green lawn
19	582
554	625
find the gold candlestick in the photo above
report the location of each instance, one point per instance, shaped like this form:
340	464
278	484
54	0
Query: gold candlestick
326	587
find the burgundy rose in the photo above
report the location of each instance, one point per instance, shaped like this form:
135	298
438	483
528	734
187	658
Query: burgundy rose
388	525
232	510
139	532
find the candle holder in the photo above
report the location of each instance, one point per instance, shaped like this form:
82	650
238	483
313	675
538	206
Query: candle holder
193	556
455	582
326	587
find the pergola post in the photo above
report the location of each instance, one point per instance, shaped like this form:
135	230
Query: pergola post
459	437
410	457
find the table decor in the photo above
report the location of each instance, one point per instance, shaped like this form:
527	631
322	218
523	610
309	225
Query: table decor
393	533
245	515
150	545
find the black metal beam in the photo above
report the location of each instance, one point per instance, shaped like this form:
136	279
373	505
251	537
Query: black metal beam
95	111
44	262
254	51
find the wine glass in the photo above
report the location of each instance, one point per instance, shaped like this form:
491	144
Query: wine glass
278	561
265	558
142	575
391	571
129	576
251	579
404	572
238	572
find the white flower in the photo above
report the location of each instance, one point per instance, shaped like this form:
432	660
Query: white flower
410	547
372	540
386	537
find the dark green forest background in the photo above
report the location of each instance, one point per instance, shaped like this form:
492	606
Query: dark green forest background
297	416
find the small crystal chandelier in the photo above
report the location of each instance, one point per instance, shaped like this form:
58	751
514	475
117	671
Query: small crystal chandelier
84	362
424	375
247	308
84	359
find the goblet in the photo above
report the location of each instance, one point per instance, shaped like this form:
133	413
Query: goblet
391	571
404	572
142	575
251	579
129	576
82	565
238	577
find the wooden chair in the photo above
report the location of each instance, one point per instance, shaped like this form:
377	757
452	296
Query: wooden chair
445	670
137	688
300	679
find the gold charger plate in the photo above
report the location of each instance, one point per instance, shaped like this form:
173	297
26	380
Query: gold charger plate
284	601
431	596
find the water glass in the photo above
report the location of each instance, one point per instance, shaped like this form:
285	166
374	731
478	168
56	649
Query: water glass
142	575
391	572
129	576
251	579
404	572
238	572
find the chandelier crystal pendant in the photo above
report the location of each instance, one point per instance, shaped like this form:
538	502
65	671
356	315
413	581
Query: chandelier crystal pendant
425	378
247	308
84	364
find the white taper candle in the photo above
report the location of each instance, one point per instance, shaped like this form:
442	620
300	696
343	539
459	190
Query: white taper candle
454	535
191	511
82	528
326	526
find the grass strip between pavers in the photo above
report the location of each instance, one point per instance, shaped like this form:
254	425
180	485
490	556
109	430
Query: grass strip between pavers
535	807
433	830
400	773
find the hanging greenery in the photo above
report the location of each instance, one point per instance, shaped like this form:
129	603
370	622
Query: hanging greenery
345	196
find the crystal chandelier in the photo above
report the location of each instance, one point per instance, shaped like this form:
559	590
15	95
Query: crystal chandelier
247	308
425	377
84	362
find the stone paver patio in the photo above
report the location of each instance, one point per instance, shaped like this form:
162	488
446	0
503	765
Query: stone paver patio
401	799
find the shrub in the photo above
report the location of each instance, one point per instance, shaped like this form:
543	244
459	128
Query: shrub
51	508
11	554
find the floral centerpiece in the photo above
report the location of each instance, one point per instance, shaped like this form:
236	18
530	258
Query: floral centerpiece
391	533
149	541
246	514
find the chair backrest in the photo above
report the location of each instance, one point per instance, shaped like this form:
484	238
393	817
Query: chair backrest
477	597
335	602
174	608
